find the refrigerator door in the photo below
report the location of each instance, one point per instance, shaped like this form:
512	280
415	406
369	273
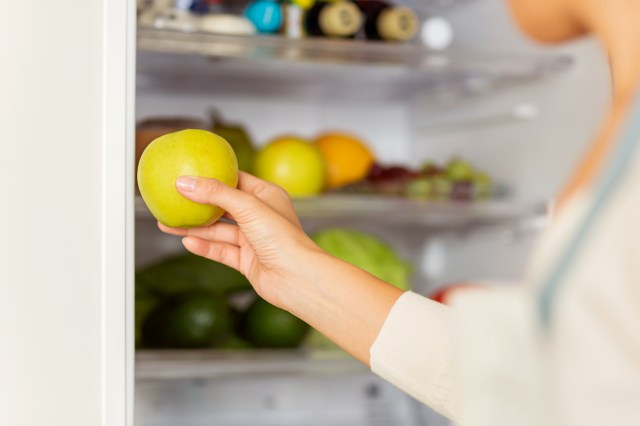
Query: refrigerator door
65	249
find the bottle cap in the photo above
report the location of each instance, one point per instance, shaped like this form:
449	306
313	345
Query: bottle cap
266	15
340	19
304	4
398	24
436	33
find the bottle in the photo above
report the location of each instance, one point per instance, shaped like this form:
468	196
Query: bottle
384	21
333	19
293	26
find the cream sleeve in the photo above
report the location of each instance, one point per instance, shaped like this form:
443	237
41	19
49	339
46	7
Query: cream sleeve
413	351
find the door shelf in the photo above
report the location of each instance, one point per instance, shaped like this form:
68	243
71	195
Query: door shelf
203	364
275	65
401	212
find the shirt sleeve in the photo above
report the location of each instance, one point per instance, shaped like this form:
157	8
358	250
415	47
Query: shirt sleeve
413	351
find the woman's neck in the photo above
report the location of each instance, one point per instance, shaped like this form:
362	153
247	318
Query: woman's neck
614	23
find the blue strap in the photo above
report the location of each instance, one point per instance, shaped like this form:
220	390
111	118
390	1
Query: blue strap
613	173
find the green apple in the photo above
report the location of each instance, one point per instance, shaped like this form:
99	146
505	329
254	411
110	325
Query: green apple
185	153
294	164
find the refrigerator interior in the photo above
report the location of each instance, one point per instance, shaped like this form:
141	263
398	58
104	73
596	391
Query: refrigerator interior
525	132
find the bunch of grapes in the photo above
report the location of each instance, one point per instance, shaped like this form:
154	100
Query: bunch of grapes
457	180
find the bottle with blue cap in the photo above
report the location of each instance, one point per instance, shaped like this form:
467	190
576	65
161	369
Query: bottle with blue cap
266	15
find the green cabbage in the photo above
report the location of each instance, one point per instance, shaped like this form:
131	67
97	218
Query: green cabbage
367	252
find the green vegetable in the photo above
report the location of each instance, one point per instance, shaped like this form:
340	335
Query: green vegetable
367	252
267	326
145	304
234	343
195	319
188	272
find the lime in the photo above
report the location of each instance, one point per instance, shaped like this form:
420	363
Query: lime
145	303
317	340
234	343
267	326
190	320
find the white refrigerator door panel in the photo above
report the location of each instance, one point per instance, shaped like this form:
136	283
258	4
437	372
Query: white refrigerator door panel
65	253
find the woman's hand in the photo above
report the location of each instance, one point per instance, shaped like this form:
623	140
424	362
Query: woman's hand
267	244
284	265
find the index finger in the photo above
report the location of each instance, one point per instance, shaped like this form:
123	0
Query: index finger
271	194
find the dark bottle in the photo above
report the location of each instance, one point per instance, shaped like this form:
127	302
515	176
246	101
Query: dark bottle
383	21
333	19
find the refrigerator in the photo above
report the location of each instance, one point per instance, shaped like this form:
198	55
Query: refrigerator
77	77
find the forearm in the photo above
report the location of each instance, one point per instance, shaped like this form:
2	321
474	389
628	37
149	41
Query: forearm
345	303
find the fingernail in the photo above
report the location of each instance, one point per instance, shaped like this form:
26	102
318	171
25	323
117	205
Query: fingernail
186	183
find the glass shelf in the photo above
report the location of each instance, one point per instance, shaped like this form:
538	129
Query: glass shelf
397	211
389	211
343	51
328	68
202	364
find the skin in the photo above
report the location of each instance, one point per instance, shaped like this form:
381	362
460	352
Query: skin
346	304
614	24
284	265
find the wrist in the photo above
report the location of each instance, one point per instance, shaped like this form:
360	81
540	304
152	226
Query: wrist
343	302
303	294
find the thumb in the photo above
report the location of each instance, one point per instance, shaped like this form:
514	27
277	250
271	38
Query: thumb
211	191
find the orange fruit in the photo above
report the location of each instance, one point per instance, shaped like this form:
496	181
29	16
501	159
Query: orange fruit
348	159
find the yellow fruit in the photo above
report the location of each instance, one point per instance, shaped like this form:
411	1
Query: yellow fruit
185	153
294	164
348	159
